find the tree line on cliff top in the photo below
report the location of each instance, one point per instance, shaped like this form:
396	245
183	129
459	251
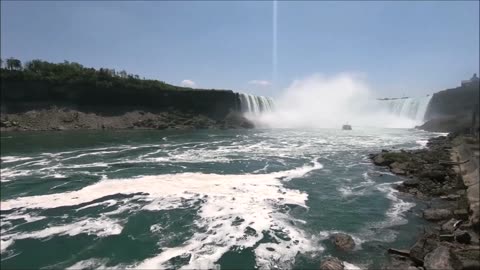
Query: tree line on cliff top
72	72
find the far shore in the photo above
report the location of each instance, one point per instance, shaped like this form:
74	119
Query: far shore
59	119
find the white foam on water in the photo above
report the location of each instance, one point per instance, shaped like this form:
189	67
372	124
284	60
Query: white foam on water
4	244
349	266
356	190
55	175
100	227
10	159
422	143
17	215
89	264
7	174
232	205
156	228
398	207
106	203
97	153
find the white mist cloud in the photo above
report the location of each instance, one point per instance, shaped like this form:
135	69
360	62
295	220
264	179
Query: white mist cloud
260	82
188	83
329	102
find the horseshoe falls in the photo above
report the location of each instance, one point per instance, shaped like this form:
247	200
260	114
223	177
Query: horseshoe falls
255	104
411	108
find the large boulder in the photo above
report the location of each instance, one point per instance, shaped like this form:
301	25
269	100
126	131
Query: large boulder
437	214
441	258
332	263
343	241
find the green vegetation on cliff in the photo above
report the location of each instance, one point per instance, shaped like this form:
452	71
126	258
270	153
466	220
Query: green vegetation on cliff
38	83
71	73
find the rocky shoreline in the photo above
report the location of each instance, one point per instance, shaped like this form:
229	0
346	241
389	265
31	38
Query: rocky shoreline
58	119
437	175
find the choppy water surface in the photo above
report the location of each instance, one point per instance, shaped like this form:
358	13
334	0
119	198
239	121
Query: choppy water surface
238	199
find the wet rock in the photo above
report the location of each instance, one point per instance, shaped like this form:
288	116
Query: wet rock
425	244
343	241
441	258
379	160
462	236
411	183
331	263
449	226
398	171
437	214
388	158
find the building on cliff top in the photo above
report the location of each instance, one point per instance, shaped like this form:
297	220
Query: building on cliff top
472	80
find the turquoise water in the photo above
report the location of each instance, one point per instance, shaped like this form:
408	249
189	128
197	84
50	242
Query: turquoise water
204	199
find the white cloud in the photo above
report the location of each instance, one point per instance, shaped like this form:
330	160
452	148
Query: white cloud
260	82
188	83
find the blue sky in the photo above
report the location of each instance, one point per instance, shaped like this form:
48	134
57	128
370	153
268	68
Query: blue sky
410	48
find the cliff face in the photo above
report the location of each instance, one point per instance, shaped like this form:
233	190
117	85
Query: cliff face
106	99
454	102
453	110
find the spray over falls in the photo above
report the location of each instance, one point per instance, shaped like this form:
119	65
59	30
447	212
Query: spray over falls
328	102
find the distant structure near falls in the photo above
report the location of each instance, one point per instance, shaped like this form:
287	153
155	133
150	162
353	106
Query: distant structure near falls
471	81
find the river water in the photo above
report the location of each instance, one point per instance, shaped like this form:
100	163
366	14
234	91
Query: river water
204	199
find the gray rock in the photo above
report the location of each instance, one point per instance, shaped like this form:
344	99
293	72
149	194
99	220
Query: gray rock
398	171
379	160
425	244
437	214
331	263
397	262
448	227
343	241
441	258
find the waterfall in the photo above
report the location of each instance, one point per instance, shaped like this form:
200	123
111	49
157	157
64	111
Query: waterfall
255	104
411	108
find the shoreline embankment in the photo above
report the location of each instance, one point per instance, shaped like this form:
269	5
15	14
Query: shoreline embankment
445	175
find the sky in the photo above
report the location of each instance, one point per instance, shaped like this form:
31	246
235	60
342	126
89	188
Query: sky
399	48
